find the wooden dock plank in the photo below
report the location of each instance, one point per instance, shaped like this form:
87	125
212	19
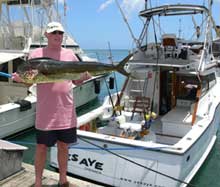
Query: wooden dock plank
25	178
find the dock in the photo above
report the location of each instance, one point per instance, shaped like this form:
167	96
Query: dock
25	178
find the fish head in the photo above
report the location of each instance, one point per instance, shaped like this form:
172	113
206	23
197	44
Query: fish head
35	64
26	71
29	69
24	67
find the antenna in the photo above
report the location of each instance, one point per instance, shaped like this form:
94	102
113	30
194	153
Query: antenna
65	8
145	4
180	28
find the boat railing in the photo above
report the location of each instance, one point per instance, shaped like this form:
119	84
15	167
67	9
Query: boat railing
13	43
171	50
14	36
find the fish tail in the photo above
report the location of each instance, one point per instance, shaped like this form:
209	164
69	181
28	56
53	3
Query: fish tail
120	66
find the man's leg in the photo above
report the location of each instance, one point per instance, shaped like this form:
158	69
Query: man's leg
62	156
40	159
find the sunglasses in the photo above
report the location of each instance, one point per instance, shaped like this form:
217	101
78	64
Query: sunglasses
57	32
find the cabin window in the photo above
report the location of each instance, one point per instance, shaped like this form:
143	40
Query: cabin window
216	48
176	86
208	82
186	87
4	68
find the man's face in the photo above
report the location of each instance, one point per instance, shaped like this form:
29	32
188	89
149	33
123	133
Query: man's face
55	38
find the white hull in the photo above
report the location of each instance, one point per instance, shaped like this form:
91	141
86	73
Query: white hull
102	166
12	120
85	93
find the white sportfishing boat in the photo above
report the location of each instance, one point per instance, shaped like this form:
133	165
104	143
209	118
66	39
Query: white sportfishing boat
164	121
21	28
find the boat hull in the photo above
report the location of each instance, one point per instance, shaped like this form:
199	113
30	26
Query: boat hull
85	93
95	163
13	120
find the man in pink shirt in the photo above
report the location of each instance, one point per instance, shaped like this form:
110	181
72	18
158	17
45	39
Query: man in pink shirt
56	118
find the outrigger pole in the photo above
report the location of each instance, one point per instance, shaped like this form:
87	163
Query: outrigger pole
129	28
216	28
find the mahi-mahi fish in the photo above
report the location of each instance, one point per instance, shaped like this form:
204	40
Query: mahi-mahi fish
45	70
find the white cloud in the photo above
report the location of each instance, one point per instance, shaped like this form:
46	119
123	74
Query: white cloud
105	5
128	6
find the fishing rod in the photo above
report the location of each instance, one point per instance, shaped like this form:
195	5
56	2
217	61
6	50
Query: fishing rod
157	48
116	85
109	94
110	97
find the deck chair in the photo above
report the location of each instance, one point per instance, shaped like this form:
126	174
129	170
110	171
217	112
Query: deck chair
141	105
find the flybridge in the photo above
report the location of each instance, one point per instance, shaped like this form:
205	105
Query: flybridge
173	10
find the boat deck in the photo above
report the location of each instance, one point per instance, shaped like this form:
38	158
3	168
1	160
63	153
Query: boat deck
162	130
26	177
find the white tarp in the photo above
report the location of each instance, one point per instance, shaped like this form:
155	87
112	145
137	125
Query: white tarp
8	56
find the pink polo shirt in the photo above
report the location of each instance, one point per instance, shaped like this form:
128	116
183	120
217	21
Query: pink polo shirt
55	103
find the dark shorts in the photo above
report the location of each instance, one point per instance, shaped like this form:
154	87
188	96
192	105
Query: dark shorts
49	138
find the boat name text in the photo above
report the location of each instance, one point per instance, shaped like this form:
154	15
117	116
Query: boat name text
88	162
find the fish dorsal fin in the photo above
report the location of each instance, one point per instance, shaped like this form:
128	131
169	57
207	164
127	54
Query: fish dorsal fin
41	58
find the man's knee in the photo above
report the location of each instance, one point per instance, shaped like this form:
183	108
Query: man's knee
61	145
41	148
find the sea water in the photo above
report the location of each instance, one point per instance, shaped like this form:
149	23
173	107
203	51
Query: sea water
207	176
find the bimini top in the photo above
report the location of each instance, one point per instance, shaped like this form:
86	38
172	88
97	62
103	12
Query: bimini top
7	56
173	10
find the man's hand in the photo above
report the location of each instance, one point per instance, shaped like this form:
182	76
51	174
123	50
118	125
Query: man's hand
84	76
15	77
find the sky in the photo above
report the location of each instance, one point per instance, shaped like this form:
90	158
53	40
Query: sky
96	23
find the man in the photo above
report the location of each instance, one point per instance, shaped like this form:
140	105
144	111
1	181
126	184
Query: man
55	112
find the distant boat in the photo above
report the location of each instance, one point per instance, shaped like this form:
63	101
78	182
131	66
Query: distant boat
164	121
21	28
